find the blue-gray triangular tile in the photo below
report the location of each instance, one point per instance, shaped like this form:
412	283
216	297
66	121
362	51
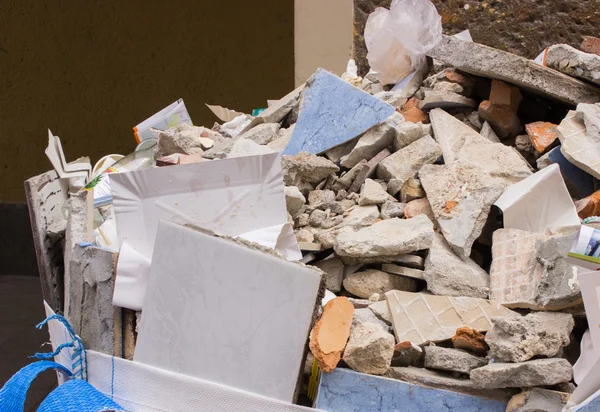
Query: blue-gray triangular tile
333	112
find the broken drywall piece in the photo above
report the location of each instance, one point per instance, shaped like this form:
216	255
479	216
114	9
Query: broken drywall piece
333	112
208	278
579	133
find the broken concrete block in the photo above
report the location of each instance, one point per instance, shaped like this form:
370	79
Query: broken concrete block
579	133
386	238
402	271
538	400
485	61
332	113
244	147
381	310
443	86
407	162
452	134
411	190
470	340
579	183
263	133
186	139
411	261
569	60
305	167
368	170
363	314
447	274
409	132
330	334
422	318
334	273
294	200
373	141
589	206
335	154
372	194
369	349
520	338
412	112
364	284
390	210
542	135
346	390
321	199
282	139
590	44
305	236
452	360
317	217
446	100
540	372
487	132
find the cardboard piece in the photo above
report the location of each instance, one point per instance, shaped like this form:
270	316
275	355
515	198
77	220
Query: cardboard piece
55	153
230	196
333	112
538	202
171	116
220	310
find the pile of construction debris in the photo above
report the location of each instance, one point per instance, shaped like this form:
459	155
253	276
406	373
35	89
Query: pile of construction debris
436	212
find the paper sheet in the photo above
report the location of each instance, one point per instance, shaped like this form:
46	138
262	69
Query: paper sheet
224	114
538	202
234	197
171	116
589	282
55	153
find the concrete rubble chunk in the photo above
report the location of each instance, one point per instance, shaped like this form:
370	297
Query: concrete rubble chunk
294	200
334	273
540	372
443	380
368	170
538	400
446	100
305	167
447	274
369	349
263	133
278	110
579	134
412	112
282	139
542	135
332	113
186	139
452	360
443	86
501	109
346	179
486	61
381	310
305	236
372	194
569	60
407	162
452	134
390	210
422	318
520	338
331	332
335	154
411	190
363	314
243	147
386	238
590	44
488	132
409	132
402	271
373	141
408	354
321	199
470	340
364	284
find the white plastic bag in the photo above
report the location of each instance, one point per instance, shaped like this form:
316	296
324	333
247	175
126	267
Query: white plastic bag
397	39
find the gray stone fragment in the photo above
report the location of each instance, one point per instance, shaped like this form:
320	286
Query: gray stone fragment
381	310
452	360
573	62
335	154
364	284
334	273
282	139
540	372
411	190
442	86
321	199
186	139
538	400
372	194
263	133
294	200
389	237
474	120
409	132
344	182
544	161
355	218
407	162
332	222
391	209
317	217
448	275
306	167
446	100
362	314
488	133
520	338
482	60
369	349
368	170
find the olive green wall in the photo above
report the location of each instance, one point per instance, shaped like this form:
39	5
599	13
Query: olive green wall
90	71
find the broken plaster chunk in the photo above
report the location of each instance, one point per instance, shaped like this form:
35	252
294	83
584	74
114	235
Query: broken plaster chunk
422	318
446	100
186	139
330	334
538	400
390	210
381	310
332	113
402	271
368	170
263	133
542	135
419	207
569	60
386	238
409	132
486	61
539	372
304	236
520	338
344	182
364	284
449	275
243	147
452	360
372	194
338	152
369	349
306	167
579	133
407	162
487	132
294	200
374	141
334	273
470	340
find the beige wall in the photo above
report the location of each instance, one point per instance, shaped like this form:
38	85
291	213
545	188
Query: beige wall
90	71
323	36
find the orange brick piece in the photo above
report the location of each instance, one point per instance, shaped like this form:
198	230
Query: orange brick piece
501	109
589	206
412	113
470	340
330	334
542	135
